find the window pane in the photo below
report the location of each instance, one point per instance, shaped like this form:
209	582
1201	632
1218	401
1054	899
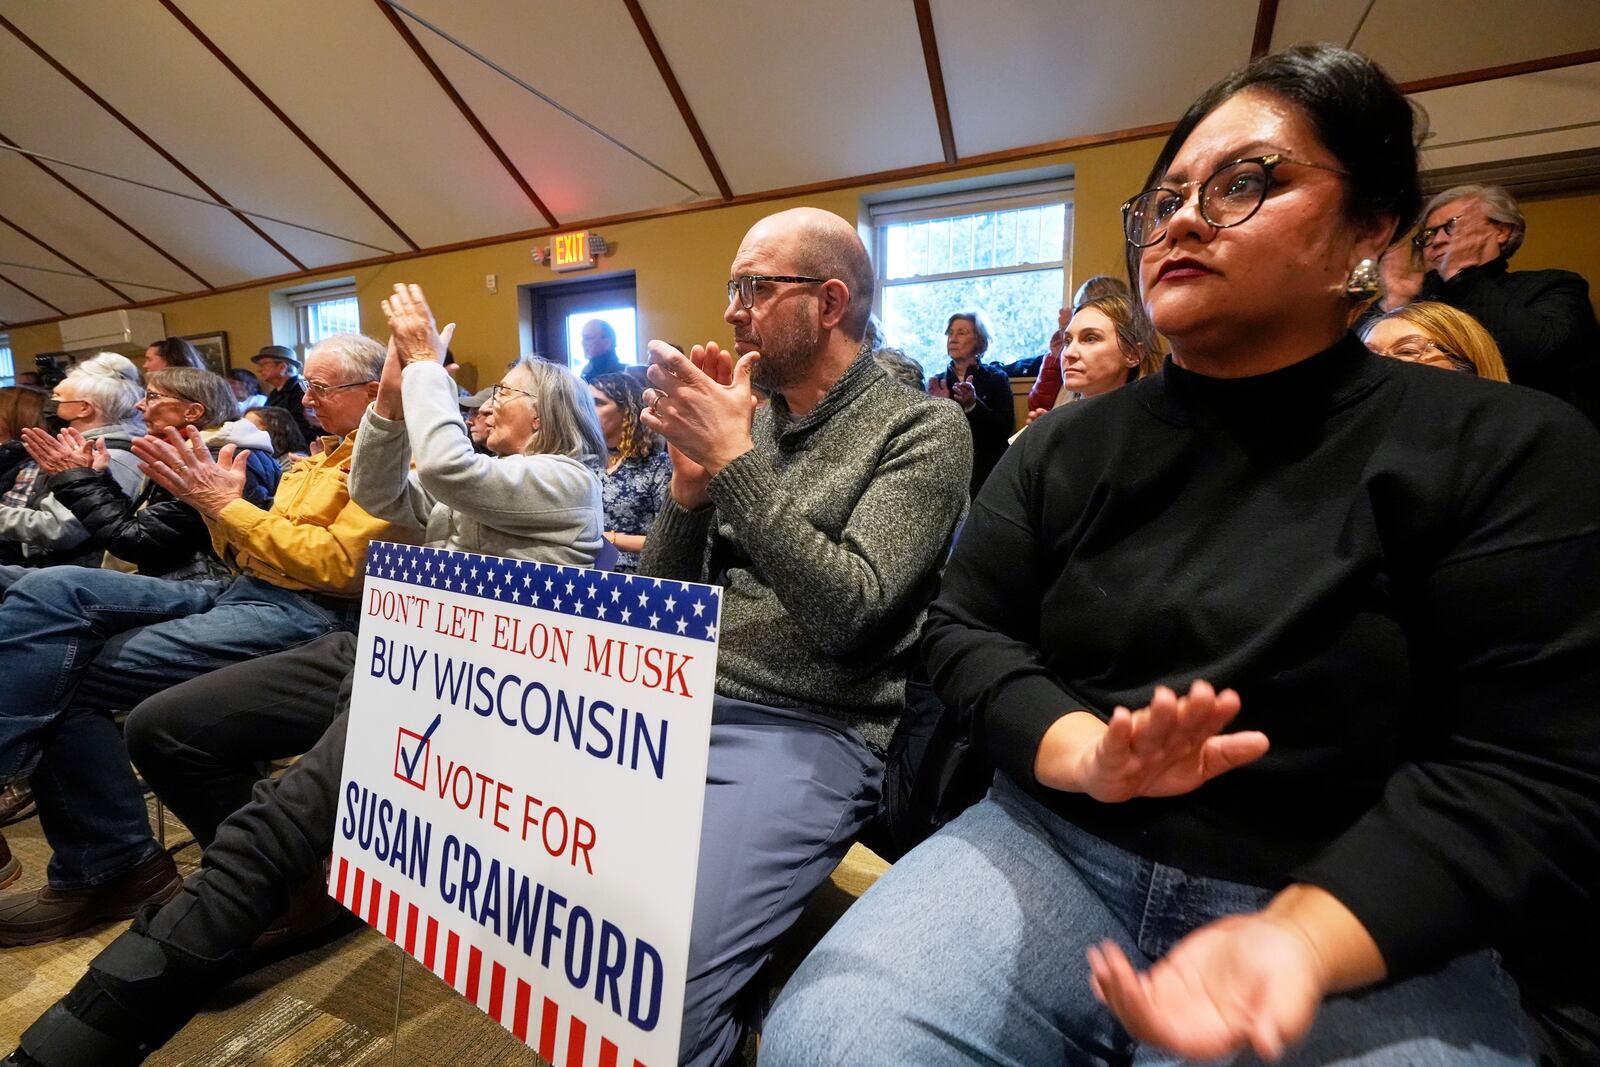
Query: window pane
8	370
328	317
1020	308
980	241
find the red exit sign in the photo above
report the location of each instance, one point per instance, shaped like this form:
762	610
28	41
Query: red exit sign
570	251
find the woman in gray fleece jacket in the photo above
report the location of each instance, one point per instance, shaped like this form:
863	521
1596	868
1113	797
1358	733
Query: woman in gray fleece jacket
537	496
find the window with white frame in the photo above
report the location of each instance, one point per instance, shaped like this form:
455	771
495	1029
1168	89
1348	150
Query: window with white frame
8	368
1003	252
322	313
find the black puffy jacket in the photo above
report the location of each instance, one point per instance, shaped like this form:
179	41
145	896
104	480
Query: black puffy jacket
158	533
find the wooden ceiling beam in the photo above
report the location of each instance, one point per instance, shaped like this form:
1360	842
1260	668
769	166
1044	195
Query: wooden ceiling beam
108	213
930	56
1266	21
283	117
467	113
1505	70
653	46
151	142
31	294
74	264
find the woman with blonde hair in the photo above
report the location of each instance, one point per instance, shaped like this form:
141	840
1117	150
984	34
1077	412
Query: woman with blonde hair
1106	346
1438	335
638	470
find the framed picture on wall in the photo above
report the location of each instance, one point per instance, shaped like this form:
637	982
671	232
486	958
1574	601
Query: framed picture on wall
213	349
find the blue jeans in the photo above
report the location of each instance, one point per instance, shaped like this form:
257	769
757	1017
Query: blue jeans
78	643
970	950
786	793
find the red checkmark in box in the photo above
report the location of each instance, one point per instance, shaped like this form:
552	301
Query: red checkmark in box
411	758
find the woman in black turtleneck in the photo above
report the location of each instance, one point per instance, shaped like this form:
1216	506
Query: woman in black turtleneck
1353	607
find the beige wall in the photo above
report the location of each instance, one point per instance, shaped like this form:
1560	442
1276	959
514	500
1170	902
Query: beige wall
681	264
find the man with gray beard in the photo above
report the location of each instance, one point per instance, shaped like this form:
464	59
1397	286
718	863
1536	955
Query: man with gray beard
825	516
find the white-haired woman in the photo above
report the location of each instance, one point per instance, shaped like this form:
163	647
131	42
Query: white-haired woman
100	400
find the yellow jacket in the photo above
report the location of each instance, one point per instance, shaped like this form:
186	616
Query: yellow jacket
315	537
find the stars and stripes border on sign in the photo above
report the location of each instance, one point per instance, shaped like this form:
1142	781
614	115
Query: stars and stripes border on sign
657	605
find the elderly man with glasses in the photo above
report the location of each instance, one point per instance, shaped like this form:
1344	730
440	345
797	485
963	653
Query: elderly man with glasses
77	644
1541	320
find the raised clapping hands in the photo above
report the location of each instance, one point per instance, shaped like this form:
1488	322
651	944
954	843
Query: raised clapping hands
1401	281
413	338
1171	747
413	333
182	465
702	403
65	452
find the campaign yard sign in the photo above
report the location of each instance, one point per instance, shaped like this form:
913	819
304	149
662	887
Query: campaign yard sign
522	791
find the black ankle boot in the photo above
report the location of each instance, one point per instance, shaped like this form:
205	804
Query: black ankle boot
137	993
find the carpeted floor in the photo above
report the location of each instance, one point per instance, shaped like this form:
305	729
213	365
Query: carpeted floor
335	1005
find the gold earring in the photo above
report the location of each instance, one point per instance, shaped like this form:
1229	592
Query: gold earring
1363	283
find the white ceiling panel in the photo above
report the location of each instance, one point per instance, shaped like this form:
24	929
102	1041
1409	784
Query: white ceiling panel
1022	72
17	306
1316	21
199	112
591	60
348	80
575	172
789	94
1512	118
57	216
1425	38
66	124
67	293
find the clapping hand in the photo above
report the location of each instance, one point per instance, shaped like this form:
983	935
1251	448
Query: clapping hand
1243	981
413	332
182	465
703	405
965	394
66	452
1174	746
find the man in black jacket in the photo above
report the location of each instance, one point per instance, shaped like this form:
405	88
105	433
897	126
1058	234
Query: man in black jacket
279	370
1541	319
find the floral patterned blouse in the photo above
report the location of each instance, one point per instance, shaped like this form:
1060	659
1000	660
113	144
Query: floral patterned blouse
633	493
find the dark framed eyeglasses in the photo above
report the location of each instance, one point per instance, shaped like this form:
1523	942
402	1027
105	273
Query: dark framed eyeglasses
151	396
744	286
319	389
1230	196
499	393
1425	236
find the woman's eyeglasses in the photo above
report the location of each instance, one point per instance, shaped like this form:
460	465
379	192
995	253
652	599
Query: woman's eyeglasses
500	393
152	397
1231	195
